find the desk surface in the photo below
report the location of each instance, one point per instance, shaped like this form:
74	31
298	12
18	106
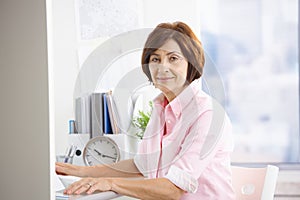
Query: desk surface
96	196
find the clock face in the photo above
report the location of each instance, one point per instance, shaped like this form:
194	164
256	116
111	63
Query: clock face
101	150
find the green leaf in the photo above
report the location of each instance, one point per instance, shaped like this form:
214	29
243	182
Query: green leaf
142	120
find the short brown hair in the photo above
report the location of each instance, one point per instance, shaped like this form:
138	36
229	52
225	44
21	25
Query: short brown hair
188	42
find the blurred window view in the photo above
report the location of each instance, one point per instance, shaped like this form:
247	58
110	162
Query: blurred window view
254	47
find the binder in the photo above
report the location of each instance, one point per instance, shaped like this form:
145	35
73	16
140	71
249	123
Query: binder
78	118
106	120
113	114
97	114
83	114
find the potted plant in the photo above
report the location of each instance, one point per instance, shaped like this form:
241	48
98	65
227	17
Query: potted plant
141	120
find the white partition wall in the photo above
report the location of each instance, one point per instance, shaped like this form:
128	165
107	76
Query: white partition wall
24	109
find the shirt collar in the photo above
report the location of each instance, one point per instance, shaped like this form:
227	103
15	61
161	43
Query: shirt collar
182	100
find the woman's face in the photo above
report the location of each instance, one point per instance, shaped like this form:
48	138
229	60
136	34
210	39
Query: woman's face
168	69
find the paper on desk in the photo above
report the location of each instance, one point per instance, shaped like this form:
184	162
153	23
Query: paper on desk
59	195
96	196
58	185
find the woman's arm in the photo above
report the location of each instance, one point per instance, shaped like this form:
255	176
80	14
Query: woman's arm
124	168
159	188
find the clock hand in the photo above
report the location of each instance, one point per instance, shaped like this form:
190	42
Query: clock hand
103	155
100	154
92	155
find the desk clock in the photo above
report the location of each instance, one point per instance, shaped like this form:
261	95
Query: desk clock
101	150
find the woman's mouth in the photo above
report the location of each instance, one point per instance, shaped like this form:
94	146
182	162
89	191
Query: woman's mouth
164	78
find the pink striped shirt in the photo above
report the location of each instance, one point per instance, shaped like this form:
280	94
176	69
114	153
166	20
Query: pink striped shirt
189	142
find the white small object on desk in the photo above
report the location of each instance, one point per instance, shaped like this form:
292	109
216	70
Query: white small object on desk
79	140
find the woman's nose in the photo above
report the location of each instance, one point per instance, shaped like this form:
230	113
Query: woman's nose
163	68
164	65
165	61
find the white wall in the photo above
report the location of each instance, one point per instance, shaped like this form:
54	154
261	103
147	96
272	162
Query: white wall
65	68
24	113
68	55
158	11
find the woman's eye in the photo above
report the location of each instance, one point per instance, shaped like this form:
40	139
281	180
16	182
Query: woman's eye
173	59
154	60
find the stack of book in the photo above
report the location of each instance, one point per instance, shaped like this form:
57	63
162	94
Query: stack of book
97	114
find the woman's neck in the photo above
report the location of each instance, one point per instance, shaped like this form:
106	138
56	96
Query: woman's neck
170	95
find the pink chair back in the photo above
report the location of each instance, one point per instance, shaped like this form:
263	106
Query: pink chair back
254	183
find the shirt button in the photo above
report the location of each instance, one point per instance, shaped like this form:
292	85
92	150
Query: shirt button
168	121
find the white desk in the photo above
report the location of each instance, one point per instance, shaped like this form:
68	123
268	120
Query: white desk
96	196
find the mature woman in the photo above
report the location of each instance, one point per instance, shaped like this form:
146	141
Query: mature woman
185	152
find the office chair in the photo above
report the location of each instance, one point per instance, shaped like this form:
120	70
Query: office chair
254	183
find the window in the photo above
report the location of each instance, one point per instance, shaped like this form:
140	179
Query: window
254	47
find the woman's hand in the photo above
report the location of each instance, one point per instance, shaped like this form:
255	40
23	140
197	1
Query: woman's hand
89	186
69	169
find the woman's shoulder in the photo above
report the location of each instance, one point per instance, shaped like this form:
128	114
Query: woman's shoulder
203	100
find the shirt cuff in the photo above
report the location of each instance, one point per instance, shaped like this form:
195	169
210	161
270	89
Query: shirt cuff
182	179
